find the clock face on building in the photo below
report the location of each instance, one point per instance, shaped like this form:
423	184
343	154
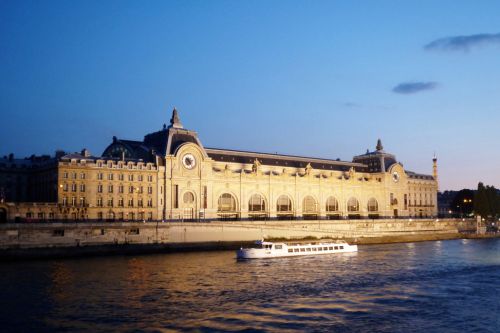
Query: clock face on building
395	176
189	161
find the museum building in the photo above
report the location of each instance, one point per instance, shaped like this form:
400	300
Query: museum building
171	175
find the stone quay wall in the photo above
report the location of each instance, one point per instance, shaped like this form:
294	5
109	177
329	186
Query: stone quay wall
61	239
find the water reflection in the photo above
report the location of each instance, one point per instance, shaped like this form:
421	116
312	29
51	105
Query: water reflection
394	287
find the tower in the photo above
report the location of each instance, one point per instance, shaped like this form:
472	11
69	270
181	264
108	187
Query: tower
435	168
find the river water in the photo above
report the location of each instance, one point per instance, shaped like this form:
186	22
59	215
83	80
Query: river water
441	286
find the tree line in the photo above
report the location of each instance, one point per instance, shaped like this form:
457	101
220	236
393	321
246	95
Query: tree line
487	201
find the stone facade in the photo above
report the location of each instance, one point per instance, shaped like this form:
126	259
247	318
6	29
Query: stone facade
171	175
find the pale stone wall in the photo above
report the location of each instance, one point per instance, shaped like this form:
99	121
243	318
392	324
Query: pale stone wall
87	234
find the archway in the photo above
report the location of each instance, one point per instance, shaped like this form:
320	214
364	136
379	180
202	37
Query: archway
257	207
226	206
3	215
353	208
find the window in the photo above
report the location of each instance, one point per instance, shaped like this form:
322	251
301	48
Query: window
110	188
73	175
308	249
341	247
353	205
82	187
65	187
99	188
82	202
205	198
130	189
73	201
295	250
110	176
309	205
150	189
175	194
82	176
188	198
284	204
256	203
140	178
372	205
141	189
110	202
336	247
150	216
330	248
290	250
73	187
131	202
120	176
120	202
64	201
150	202
150	178
226	203
99	176
139	202
120	189
99	202
65	175
325	248
332	205
131	177
302	249
278	247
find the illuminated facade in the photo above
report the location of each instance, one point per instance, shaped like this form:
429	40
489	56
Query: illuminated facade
171	175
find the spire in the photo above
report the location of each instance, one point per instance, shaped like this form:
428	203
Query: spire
175	121
379	145
435	167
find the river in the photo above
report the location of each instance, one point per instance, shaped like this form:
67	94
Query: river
440	286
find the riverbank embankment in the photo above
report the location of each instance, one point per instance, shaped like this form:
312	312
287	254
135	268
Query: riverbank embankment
60	239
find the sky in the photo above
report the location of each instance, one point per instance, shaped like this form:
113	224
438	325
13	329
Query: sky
311	78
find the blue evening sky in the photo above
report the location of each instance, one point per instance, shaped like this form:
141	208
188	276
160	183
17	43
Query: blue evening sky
312	78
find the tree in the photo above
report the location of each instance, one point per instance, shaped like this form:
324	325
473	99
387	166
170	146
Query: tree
463	202
481	206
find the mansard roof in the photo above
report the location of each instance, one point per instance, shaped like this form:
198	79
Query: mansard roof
239	156
414	175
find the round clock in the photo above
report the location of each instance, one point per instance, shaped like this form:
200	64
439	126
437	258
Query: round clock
188	161
395	176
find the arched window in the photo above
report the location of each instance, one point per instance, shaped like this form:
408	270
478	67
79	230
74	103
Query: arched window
284	204
256	203
309	205
332	205
372	205
353	205
188	198
227	203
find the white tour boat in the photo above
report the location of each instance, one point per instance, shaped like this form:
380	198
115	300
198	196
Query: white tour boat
273	250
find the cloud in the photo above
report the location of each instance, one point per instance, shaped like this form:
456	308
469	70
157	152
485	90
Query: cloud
462	43
414	87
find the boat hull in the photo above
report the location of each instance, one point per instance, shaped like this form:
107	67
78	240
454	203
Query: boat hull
295	251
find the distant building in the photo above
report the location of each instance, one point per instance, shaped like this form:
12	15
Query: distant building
171	175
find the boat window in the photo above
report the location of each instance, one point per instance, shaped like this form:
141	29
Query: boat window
315	249
336	247
290	250
320	249
325	248
341	247
302	249
331	248
308	249
278	247
296	250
